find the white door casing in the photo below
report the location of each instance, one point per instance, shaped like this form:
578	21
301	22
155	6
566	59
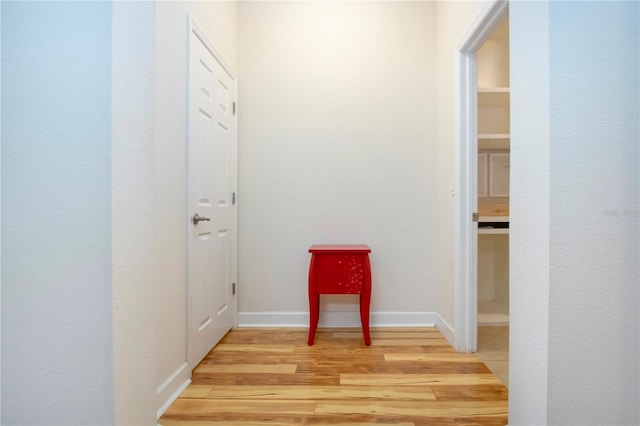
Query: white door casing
211	148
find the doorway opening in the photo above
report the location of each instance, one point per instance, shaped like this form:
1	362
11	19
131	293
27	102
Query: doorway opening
467	179
493	201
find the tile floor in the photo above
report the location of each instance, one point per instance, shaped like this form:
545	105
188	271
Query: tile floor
493	350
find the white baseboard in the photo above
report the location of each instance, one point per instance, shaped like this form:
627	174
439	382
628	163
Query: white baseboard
445	328
171	388
336	319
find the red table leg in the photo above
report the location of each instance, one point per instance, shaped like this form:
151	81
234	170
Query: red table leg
314	311
314	302
365	302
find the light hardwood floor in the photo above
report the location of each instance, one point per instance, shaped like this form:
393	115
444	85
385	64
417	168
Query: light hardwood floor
407	376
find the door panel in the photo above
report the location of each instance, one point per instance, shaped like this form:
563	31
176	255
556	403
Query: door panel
210	248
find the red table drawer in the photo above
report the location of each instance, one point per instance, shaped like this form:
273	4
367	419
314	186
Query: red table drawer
340	283
341	263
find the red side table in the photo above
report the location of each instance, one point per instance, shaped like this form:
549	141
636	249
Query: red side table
339	269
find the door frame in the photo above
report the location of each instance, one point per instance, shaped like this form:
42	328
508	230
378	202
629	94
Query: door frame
198	31
466	161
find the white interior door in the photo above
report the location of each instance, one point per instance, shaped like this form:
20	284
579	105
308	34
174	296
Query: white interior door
211	203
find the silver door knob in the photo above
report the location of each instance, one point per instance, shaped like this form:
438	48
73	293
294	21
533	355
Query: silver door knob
197	218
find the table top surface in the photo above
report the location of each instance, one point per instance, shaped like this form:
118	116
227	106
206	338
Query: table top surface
339	248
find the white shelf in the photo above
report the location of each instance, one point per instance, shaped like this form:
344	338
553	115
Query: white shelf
493	231
493	219
494	141
494	136
486	218
494	90
493	97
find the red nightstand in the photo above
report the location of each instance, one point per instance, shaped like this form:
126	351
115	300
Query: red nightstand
339	269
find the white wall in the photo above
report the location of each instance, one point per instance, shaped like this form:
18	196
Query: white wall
132	170
57	356
337	145
574	210
57	315
454	19
529	214
594	238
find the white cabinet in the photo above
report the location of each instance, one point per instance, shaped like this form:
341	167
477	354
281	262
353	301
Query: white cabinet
499	173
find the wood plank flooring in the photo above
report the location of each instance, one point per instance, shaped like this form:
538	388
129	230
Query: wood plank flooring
407	377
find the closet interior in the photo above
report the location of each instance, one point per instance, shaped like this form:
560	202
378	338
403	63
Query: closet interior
493	179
